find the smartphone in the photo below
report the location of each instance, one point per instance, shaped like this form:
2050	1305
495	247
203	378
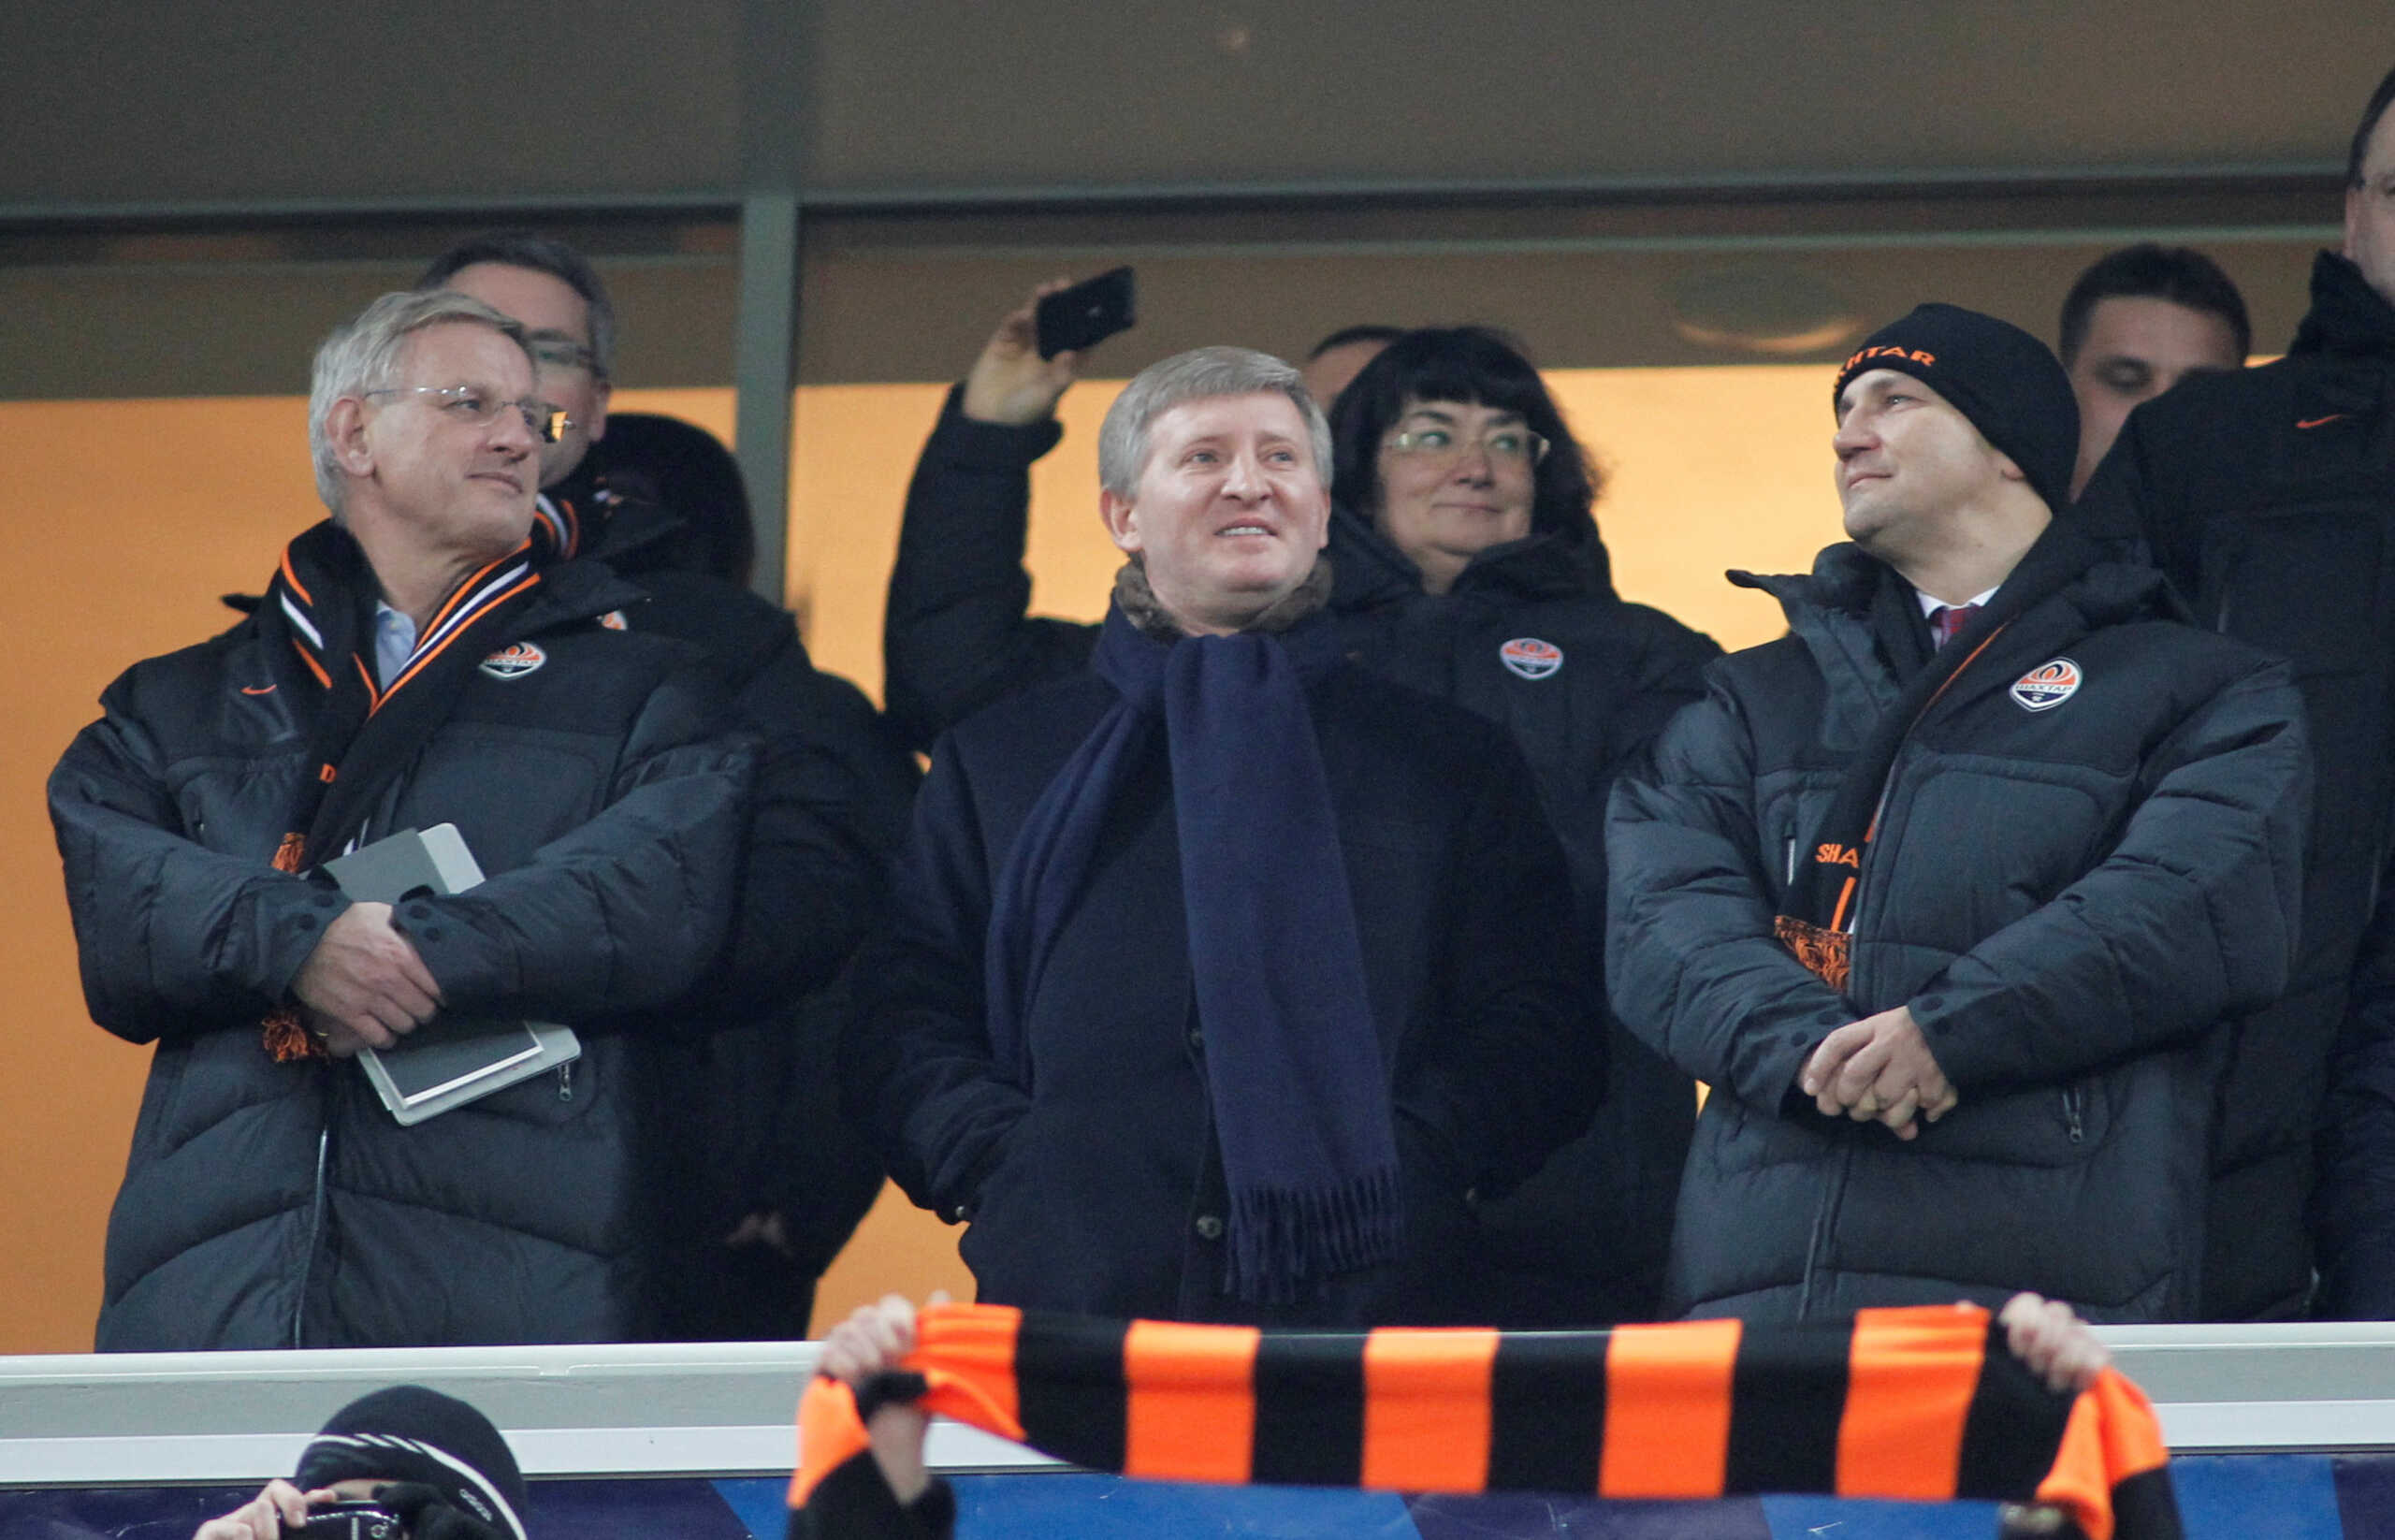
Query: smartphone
1087	315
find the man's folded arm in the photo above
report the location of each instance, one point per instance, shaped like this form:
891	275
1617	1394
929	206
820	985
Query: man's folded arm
625	912
169	932
2193	917
1691	960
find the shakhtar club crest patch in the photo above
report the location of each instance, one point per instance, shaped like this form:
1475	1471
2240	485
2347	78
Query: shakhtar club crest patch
2046	686
1531	658
513	660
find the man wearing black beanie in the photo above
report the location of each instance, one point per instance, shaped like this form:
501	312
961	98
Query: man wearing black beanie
431	1461
1950	892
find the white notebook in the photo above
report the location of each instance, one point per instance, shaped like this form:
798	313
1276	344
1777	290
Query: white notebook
450	1060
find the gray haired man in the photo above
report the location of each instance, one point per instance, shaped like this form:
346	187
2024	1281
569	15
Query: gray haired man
414	662
1225	974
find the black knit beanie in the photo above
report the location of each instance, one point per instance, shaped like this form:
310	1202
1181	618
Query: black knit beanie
2005	381
410	1434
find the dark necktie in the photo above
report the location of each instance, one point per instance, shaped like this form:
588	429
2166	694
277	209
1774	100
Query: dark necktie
1947	622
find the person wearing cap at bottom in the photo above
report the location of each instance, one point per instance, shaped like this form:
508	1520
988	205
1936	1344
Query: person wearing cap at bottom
1952	893
430	1460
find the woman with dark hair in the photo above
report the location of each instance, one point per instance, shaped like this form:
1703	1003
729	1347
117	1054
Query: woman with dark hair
1402	426
1466	562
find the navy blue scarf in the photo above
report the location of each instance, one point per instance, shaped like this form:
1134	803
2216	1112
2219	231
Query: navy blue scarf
1294	1070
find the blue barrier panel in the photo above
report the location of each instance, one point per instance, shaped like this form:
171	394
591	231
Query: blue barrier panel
2252	1497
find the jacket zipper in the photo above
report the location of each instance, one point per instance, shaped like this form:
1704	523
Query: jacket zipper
316	1234
1826	1215
1815	1243
2071	1109
565	1080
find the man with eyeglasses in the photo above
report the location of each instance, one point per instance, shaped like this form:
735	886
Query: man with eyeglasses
552	291
417	660
771	1184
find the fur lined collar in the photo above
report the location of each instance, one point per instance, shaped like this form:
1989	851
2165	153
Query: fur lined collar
1140	606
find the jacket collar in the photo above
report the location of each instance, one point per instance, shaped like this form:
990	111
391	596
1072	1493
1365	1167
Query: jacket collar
583	590
1845	583
2348	315
588	517
1570	562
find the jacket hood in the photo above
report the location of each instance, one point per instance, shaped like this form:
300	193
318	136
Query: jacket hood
1567	560
2348	315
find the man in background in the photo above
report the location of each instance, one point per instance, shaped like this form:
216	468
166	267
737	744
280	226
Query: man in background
1338	357
2137	322
2267	496
771	1183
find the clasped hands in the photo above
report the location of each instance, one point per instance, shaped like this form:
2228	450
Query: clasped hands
1879	1070
365	985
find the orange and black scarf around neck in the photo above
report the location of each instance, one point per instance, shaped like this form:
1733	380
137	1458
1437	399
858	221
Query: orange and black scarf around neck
1817	922
1924	1404
317	621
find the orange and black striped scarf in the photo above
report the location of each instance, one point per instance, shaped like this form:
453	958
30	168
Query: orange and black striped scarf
317	621
1817	921
1923	1404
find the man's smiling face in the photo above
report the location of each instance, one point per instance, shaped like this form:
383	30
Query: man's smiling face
1905	459
1230	510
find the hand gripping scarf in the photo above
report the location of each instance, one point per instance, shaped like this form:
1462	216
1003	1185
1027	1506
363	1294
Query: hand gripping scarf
1921	1404
319	611
1294	1074
1818	924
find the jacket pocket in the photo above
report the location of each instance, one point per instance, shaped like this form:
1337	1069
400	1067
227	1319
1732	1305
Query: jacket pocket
561	1095
2043	1126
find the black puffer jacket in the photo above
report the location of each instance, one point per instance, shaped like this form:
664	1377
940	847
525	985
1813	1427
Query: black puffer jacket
275	1205
2069	899
2267	496
1533	637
